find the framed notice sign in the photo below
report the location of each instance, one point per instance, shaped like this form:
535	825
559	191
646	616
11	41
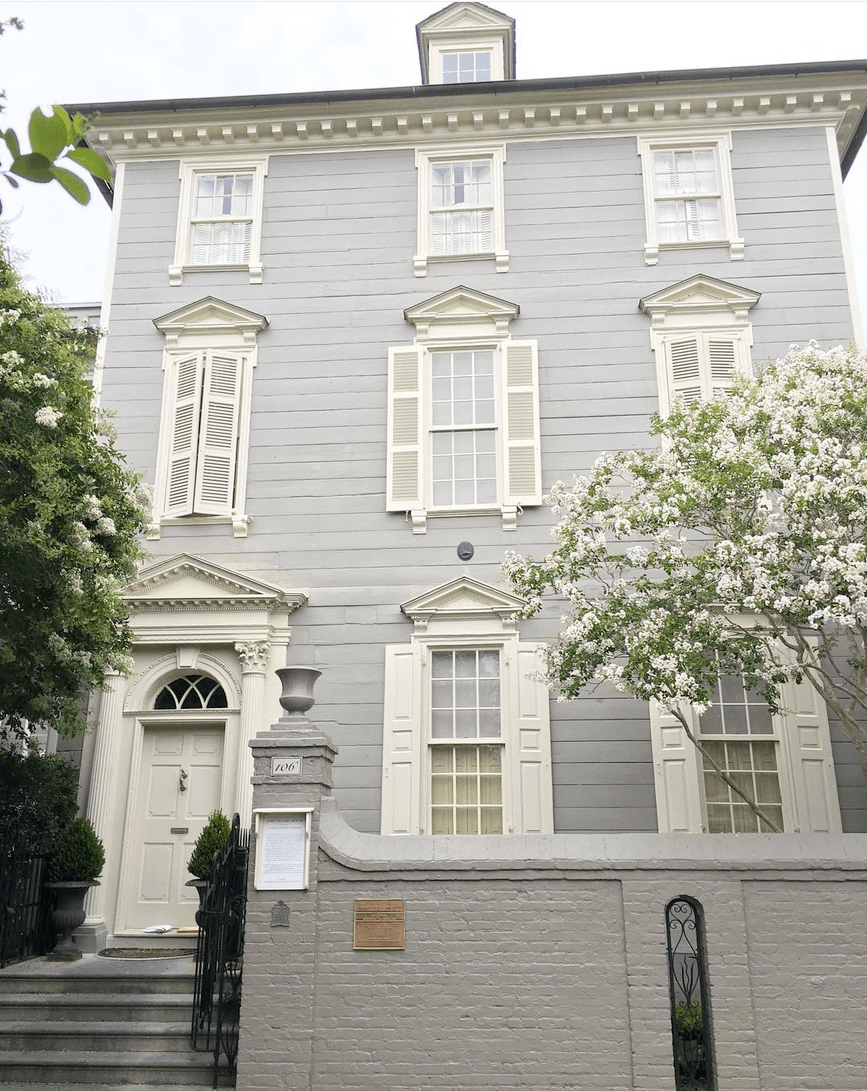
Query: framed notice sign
282	848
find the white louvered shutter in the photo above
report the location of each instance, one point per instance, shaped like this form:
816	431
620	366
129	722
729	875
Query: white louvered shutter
722	361
684	369
401	741
529	755
186	408
218	443
405	434
522	472
809	743
676	774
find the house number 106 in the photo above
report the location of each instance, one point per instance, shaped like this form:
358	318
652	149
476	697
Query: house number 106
281	767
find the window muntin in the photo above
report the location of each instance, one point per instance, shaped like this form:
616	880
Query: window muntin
191	691
463	428
466	780
687	195
222	219
465	187
752	764
466	67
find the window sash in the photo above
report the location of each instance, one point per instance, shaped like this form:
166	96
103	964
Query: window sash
467	67
466	788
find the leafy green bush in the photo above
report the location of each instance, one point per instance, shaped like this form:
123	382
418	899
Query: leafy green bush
79	856
213	838
37	797
689	1019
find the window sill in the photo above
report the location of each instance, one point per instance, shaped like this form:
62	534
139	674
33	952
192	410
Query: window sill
420	261
176	272
420	516
238	523
736	248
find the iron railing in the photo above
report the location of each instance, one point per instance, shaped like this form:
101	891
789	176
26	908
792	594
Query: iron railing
220	954
690	1011
25	904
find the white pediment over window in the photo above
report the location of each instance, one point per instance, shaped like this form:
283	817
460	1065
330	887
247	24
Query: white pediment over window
188	582
702	296
464	600
445	314
210	321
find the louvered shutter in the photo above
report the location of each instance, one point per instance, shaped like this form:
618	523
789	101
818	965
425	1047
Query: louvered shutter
684	369
405	435
675	773
722	359
529	746
522	473
218	443
401	741
186	406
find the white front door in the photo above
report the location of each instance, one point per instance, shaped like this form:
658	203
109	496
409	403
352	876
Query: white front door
179	785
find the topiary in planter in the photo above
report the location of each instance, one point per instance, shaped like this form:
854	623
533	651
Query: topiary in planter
79	855
213	838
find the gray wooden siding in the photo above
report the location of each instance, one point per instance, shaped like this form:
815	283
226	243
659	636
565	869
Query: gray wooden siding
338	241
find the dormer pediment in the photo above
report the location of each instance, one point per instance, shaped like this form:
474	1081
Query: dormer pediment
466	27
462	307
189	582
699	295
211	321
464	600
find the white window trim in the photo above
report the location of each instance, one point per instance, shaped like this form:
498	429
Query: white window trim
722	146
188	172
492	46
806	765
202	329
704	309
460	320
465	614
424	161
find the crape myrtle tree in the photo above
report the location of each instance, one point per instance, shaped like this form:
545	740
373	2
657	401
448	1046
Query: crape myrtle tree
738	545
70	513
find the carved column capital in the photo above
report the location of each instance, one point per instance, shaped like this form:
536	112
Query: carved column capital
254	656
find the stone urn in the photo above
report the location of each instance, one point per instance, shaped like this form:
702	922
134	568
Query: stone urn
297	697
67	916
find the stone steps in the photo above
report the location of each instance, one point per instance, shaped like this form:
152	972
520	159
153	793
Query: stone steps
99	1023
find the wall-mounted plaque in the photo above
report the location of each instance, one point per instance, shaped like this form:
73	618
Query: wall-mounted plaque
285	767
282	849
379	924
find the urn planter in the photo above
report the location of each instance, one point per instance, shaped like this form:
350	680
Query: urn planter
67	916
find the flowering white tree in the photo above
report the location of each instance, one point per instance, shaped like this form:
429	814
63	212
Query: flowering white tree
737	546
70	512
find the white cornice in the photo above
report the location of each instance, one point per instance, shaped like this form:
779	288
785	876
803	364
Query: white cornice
510	112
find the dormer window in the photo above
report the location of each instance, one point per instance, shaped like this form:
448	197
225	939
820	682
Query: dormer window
467	43
466	67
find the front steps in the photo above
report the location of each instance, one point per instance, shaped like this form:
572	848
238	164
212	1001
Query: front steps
100	1023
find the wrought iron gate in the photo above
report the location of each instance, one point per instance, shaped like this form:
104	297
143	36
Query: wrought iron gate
220	955
25	904
690	1022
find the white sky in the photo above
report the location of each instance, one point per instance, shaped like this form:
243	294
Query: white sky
119	51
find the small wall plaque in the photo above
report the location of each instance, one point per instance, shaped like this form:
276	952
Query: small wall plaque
280	915
285	767
379	924
283	848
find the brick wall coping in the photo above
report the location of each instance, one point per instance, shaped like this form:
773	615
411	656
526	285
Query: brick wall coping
591	852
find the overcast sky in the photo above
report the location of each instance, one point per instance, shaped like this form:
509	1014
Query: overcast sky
119	51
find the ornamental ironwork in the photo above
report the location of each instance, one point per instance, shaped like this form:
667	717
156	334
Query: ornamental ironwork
690	1010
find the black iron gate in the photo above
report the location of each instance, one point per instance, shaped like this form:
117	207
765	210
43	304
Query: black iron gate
690	1011
25	904
220	954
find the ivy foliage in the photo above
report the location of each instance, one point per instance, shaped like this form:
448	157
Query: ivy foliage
737	545
70	513
37	797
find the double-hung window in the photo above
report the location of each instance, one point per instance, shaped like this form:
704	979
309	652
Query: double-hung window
461	207
220	218
202	458
463	423
689	199
700	336
466	746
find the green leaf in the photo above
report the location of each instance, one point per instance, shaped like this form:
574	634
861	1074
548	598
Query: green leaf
92	163
50	135
35	168
12	143
73	185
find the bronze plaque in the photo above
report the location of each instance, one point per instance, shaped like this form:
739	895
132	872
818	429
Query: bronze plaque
379	925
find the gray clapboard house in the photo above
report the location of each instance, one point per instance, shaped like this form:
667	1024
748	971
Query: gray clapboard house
353	338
